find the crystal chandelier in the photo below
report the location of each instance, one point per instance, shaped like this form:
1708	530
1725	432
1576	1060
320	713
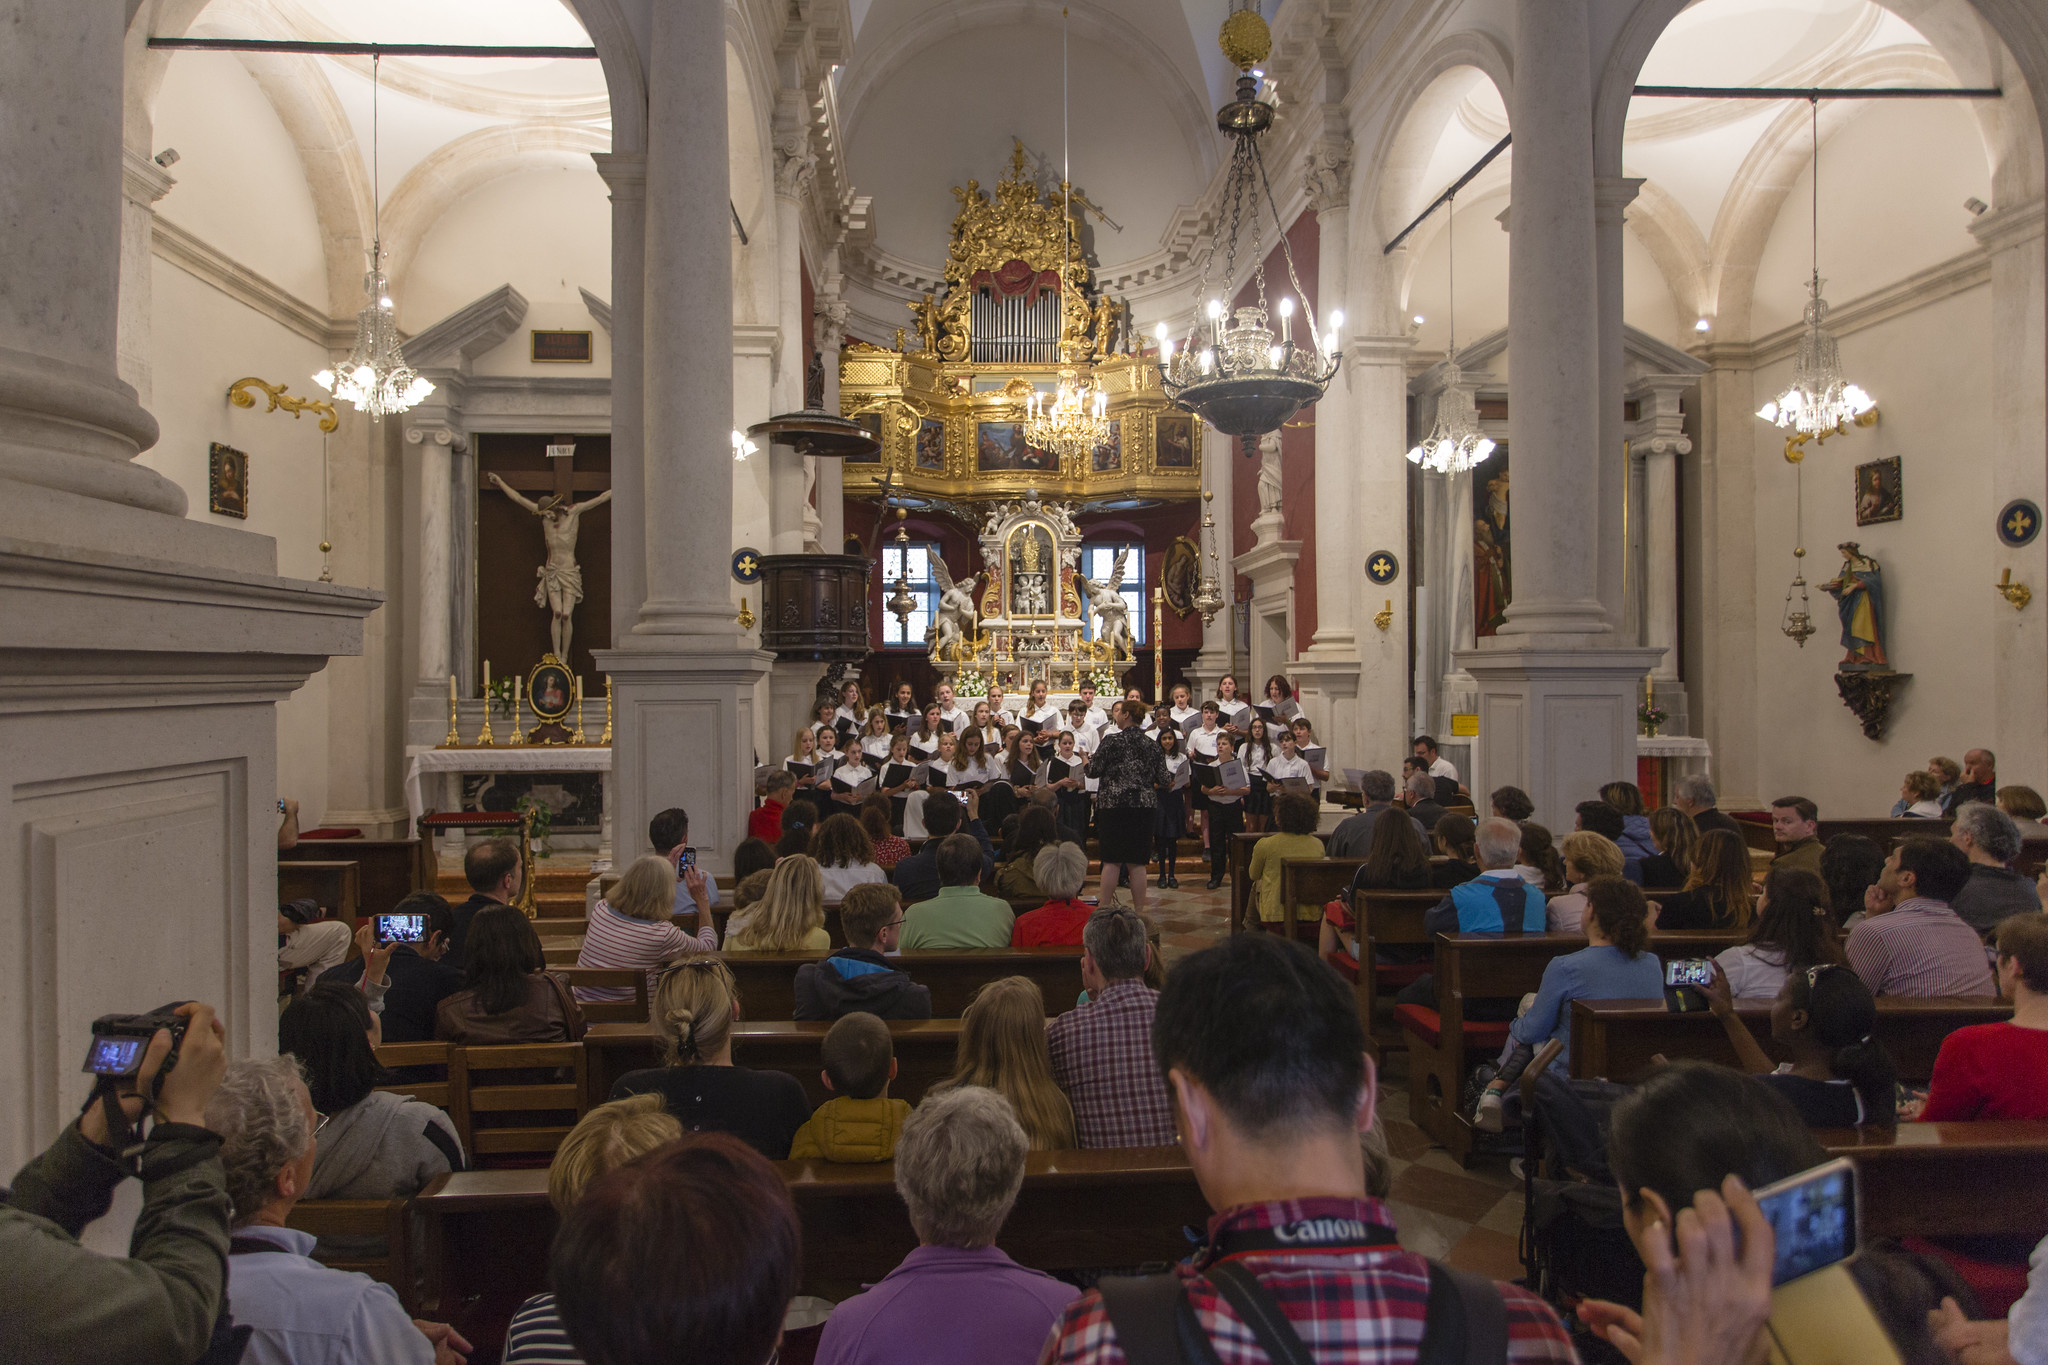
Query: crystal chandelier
1818	401
1075	419
1230	368
1454	445
375	376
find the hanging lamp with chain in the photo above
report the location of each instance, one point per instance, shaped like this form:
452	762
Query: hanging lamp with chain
1455	444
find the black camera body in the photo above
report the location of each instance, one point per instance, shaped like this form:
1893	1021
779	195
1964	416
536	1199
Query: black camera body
120	1040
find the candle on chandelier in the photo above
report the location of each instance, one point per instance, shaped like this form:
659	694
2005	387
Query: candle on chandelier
1286	323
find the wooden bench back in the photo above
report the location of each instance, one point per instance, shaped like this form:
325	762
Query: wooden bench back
926	1050
1314	881
767	981
1618	1039
609	1011
389	1219
435	1092
389	870
475	1076
1948	1179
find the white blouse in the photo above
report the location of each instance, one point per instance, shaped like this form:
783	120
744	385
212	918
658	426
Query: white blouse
1202	744
854	772
1182	714
1047	716
875	746
961	719
924	748
1279	766
839	880
858	718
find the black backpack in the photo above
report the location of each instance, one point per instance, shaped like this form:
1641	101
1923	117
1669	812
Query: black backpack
1466	1321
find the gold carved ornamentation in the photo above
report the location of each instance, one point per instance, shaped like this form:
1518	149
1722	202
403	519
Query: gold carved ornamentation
2019	594
239	395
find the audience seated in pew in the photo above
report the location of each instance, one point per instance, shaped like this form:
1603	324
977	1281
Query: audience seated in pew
1295	815
1395	859
1600	818
860	976
1795	824
508	995
1060	870
1459	861
495	876
917	876
1676	838
1792	932
958	915
1823	1018
1919	797
695	893
1616	964
890	847
1353	836
860	1123
1419	792
308	944
1101	1052
958	1299
1537	862
1718	894
1016	870
1850	867
752	861
296	1308
2000	1071
1636	841
604	1139
1910	942
635	927
632	1282
845	854
418	976
1694	794
2026	808
1487	904
1003	1047
1511	803
789	917
764	822
694	1006
374	1144
1586	856
1991	841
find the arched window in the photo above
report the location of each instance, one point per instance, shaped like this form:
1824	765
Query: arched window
913	564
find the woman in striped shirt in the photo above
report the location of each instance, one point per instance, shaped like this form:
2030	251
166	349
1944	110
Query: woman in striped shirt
634	927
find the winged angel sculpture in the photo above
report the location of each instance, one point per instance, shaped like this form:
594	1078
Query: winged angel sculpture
1112	613
954	618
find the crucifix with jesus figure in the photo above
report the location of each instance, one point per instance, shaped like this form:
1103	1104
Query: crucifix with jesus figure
561	580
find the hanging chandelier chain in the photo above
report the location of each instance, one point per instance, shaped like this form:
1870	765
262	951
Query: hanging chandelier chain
1815	103
1451	305
1308	308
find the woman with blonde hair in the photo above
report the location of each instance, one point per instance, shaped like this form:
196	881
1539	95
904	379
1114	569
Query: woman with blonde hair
1676	836
1002	1047
789	917
695	1006
607	1137
633	927
1717	895
1586	855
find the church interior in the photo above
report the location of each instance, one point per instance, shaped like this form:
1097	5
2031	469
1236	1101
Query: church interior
727	362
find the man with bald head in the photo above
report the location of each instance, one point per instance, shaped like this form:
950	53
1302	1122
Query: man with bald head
1980	781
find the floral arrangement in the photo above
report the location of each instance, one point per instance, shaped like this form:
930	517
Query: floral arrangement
499	698
1651	717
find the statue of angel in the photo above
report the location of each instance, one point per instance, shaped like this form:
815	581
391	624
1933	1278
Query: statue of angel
1112	612
954	618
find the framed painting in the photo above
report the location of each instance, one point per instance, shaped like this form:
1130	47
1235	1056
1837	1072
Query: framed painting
1880	495
550	691
1000	447
1108	456
1173	440
931	444
227	481
1493	548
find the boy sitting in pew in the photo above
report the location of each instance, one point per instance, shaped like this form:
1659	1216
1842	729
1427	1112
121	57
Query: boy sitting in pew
861	1123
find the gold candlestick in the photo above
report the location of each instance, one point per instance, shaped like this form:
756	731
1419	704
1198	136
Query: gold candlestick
484	737
454	739
1158	644
518	719
577	736
606	738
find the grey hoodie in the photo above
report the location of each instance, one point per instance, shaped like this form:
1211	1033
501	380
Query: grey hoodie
377	1148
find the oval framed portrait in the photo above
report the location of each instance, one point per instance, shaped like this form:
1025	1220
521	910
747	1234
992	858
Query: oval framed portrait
550	690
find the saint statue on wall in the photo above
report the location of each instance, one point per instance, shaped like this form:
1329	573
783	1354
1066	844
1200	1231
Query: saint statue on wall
1858	591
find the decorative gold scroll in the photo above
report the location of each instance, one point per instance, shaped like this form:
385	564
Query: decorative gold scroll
239	395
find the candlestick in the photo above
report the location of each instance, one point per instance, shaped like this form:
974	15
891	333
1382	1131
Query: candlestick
454	738
577	737
1158	645
484	737
518	719
606	738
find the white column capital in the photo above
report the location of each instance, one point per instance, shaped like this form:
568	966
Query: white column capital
143	182
439	432
1361	351
2011	225
624	173
1326	175
1613	193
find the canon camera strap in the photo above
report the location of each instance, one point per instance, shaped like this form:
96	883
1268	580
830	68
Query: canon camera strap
1338	1236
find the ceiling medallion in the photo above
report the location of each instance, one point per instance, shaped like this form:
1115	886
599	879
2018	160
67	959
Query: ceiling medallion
1230	368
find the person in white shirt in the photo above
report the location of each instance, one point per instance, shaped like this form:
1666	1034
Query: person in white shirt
1226	810
1288	762
925	735
850	708
310	941
875	743
1305	739
949	711
845	854
899	757
1232	714
1086	693
1424	748
1081	721
970	763
1070	793
1280	699
803	748
829	758
1257	751
1044	715
1202	753
1002	715
1183	709
984	722
1921	795
851	773
903	710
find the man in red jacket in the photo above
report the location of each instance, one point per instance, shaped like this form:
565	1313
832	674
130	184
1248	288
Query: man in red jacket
765	820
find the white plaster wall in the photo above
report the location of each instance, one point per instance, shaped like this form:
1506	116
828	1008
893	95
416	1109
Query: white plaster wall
1482	274
1941	616
1646	299
547	233
241	186
1873	231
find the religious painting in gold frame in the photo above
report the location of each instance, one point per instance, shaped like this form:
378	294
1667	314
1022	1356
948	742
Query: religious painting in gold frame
227	481
550	689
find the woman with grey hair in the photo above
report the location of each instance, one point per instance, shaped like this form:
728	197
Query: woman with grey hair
957	1298
1060	870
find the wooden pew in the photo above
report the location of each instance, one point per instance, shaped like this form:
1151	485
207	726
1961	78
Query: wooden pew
1241	905
1312	881
1387	919
767	981
400	1055
1887	831
1489	966
389	1219
391	869
488	1232
1949	1179
1617	1039
335	885
925	1052
632	1010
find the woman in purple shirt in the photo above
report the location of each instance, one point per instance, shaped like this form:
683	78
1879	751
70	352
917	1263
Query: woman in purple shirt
957	1299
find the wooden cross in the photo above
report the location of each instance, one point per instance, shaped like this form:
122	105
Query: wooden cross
561	479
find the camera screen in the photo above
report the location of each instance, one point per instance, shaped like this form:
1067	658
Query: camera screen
1814	1217
401	928
1689	971
115	1056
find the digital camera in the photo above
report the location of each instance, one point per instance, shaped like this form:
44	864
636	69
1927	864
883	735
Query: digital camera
120	1040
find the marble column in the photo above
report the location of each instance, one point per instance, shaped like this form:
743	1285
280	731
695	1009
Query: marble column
142	654
795	167
1612	194
829	322
684	676
1661	398
143	182
1218	476
1556	698
432	448
625	176
1735	610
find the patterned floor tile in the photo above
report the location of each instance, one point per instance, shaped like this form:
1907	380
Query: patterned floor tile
1422	1230
1445	1192
1486	1252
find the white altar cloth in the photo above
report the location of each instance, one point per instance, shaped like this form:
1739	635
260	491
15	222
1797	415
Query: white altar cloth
524	758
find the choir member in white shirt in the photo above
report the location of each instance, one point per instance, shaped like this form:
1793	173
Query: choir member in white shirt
1226	813
1305	739
1019	756
950	713
850	708
827	718
848	775
1086	691
971	764
903	711
1256	752
1288	763
875	743
1202	751
1233	714
899	757
803	749
984	722
1183	709
1002	715
1070	793
938	774
1044	715
1149	725
1079	723
829	758
925	736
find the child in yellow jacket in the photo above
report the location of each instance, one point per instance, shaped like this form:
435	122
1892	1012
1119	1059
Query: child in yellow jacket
862	1123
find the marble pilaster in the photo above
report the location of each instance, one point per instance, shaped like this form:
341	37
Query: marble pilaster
1611	197
143	182
1219	655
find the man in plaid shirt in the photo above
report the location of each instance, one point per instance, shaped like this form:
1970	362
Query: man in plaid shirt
1102	1052
1265	1058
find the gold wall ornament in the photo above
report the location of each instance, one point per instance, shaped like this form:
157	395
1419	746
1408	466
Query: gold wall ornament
2019	594
239	395
746	616
1795	444
1384	617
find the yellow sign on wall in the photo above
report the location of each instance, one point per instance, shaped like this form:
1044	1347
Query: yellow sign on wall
1464	726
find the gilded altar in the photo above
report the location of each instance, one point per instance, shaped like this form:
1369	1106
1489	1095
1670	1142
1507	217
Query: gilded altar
1032	619
948	403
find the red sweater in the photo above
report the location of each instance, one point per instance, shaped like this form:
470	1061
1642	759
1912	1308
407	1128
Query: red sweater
765	821
1054	924
1990	1071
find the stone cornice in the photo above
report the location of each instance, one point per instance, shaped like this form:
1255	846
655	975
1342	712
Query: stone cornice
478	327
2009	226
246	287
142	180
1916	291
600	311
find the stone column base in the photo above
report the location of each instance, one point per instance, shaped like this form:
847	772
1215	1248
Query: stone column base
1555	722
683	735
